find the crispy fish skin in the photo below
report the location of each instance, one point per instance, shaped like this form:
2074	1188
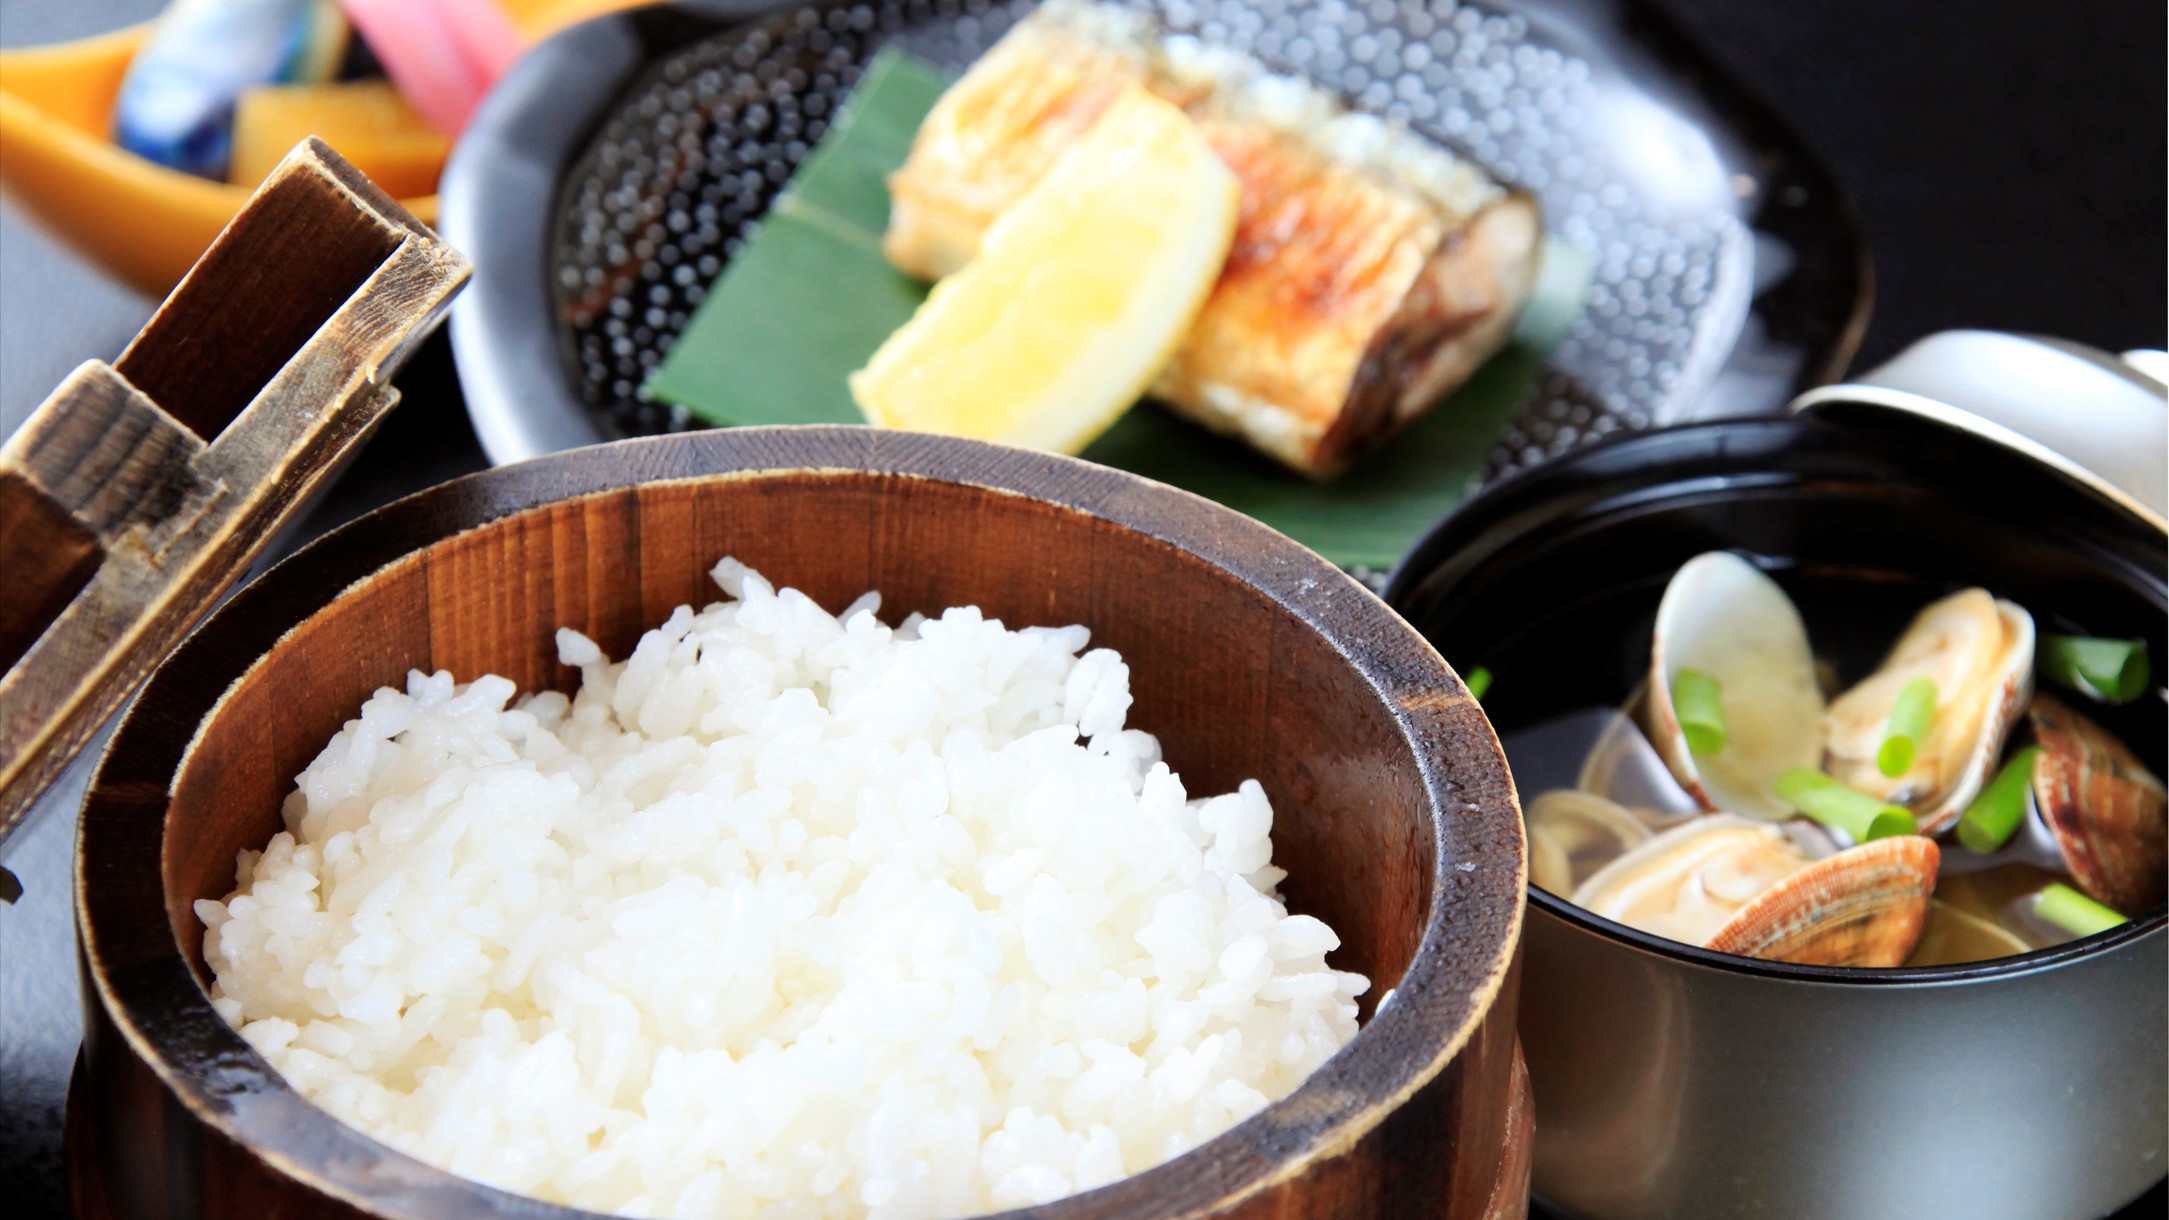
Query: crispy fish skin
1371	272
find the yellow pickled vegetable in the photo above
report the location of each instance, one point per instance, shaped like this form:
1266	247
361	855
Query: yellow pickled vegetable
367	121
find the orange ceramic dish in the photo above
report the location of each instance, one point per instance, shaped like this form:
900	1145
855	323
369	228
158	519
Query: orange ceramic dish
140	221
538	19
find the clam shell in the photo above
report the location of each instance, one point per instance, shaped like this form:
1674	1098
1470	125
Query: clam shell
1692	880
1574	834
1980	696
1721	615
1865	906
2106	811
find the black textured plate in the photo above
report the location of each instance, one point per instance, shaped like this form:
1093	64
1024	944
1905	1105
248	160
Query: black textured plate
609	178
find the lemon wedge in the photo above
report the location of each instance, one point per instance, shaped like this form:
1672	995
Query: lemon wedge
1080	292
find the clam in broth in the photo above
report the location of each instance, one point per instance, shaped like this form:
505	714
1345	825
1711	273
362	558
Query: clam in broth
1746	887
1979	653
2104	808
1689	882
1572	834
1725	622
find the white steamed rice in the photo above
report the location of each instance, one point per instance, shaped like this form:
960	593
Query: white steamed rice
786	915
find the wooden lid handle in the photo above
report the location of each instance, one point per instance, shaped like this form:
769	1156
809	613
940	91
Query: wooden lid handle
137	493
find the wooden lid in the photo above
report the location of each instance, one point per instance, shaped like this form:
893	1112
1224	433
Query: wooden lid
138	492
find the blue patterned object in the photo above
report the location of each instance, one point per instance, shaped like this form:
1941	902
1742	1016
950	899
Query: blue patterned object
176	104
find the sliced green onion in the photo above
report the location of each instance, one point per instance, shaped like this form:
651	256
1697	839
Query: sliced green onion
1478	682
1698	701
1841	808
1910	717
1993	817
2112	671
2074	912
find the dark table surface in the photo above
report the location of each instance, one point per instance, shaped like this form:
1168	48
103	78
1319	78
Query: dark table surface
2007	158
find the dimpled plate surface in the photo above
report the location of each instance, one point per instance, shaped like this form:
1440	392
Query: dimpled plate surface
1725	271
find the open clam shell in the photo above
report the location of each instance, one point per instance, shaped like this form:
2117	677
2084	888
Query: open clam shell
2106	811
1693	880
1720	615
1865	906
1979	652
1574	834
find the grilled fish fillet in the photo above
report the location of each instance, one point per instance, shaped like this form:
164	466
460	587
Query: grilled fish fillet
1371	272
